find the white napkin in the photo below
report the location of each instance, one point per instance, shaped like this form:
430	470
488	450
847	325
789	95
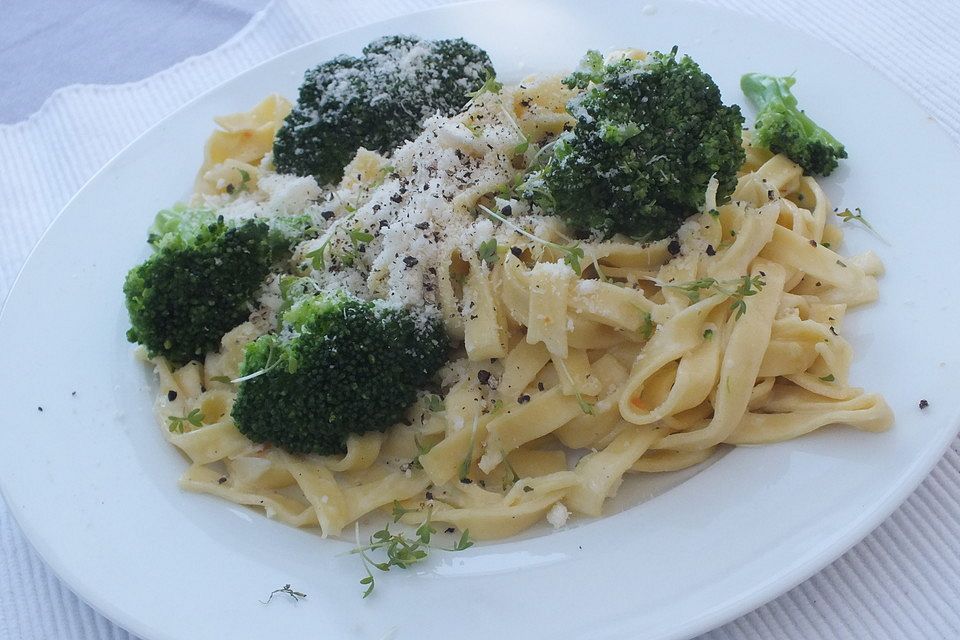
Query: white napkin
903	581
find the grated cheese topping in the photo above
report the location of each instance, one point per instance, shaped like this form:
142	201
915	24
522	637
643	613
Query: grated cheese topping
389	234
394	70
398	224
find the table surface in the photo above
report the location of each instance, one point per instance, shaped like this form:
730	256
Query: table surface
902	581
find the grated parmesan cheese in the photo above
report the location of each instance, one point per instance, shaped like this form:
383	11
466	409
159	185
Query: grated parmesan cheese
415	217
558	514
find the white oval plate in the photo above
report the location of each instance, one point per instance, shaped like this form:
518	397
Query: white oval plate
93	484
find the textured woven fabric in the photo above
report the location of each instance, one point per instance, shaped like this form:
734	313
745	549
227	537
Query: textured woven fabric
902	581
136	33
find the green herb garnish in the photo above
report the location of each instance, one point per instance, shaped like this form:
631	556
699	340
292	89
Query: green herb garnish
381	176
585	406
488	251
358	236
177	423
511	477
745	286
647	327
244	180
511	190
857	216
435	403
692	289
464	470
316	256
572	253
422	450
401	550
490	85
286	590
272	362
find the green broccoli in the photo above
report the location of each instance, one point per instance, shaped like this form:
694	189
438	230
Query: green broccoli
339	365
202	279
783	128
649	136
376	101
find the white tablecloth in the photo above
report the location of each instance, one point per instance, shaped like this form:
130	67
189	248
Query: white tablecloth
902	581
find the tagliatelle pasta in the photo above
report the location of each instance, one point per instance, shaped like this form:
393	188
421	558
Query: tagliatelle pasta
651	359
233	152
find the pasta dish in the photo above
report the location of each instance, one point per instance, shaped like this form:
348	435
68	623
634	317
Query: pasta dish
578	357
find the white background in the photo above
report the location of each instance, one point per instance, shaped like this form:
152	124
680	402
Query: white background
903	581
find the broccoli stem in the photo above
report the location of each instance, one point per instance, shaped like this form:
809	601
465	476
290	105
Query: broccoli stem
784	128
765	91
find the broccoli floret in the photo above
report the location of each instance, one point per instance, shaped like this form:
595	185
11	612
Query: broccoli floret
177	224
202	279
339	365
783	128
649	136
376	101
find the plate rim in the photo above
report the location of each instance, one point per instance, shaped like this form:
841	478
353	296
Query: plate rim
784	579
